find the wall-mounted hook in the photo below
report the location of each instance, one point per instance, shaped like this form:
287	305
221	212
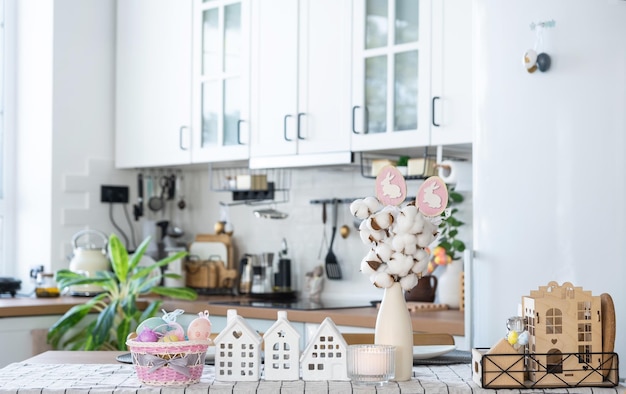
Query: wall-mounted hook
544	24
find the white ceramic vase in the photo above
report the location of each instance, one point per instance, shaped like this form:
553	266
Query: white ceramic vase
449	285
393	327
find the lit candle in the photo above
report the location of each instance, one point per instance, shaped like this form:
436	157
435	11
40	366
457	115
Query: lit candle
371	363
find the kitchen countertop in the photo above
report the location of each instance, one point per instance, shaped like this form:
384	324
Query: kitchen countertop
442	321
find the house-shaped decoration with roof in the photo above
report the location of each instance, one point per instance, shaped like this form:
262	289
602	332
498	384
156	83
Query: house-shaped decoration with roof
565	327
282	350
237	350
324	357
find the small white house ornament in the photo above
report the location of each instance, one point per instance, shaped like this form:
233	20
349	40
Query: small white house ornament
325	357
282	350
237	350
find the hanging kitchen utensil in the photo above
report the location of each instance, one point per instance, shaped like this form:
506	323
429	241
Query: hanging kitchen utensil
138	208
333	270
156	203
270	213
324	243
179	192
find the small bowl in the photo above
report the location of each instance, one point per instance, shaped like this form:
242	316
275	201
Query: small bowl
371	364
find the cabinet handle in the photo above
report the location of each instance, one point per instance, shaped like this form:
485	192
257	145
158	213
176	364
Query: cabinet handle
354	119
180	138
299	116
239	122
285	128
433	111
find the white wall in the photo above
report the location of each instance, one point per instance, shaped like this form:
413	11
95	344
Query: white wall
548	157
65	127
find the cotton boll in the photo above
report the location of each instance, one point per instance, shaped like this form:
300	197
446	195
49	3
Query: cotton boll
418	224
405	243
359	209
382	279
424	239
367	266
419	266
408	282
384	251
409	211
421	255
400	264
381	220
372	204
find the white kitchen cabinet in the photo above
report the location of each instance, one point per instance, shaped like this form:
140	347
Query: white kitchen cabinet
300	83
153	83
391	101
451	121
221	81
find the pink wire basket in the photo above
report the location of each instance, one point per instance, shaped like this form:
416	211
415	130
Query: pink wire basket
168	363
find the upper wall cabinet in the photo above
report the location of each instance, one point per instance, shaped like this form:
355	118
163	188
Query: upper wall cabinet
452	72
300	83
391	99
221	81
153	83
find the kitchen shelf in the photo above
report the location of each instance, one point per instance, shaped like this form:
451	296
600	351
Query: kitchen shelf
368	162
275	185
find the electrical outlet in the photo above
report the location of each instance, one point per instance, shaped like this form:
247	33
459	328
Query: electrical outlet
114	194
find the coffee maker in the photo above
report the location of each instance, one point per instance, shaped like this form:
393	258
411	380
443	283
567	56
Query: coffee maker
262	274
282	276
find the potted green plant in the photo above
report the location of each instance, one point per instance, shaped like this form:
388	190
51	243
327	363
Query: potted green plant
117	306
449	230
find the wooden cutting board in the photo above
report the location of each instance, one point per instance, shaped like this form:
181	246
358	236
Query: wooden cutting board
608	331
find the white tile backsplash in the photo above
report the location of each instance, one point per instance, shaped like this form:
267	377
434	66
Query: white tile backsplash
302	229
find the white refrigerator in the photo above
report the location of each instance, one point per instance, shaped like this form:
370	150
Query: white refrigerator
549	157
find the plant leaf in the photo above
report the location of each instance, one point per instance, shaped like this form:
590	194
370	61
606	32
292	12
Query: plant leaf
123	329
72	317
102	330
183	293
139	252
119	258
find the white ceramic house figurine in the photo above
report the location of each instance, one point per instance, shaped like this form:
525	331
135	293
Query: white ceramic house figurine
282	350
237	350
325	356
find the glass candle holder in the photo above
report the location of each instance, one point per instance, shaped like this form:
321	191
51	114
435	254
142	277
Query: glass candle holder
371	364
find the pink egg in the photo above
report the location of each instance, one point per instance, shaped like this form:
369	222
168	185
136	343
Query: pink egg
200	327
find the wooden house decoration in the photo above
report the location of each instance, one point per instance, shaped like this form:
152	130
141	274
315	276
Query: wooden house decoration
499	366
237	350
282	350
325	356
565	327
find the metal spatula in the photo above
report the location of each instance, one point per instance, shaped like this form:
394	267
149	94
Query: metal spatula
333	270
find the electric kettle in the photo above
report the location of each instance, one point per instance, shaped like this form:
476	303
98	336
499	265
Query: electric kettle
88	259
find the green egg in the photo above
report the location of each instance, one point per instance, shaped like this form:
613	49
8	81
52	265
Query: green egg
152	323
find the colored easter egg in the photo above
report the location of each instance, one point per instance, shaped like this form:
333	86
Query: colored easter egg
151	323
172	328
147	335
390	186
200	327
170	338
432	196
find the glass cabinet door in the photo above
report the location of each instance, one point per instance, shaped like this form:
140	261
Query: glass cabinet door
392	74
221	79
